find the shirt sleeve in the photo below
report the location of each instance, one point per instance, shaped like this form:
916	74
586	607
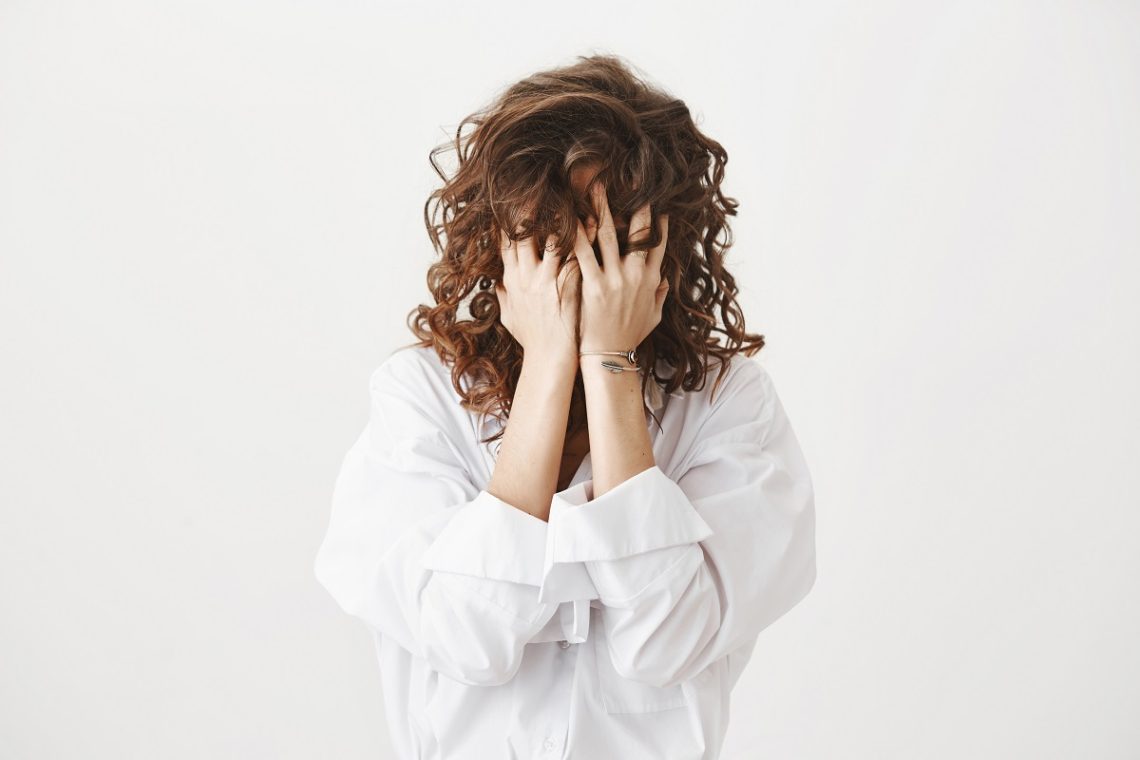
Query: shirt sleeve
689	570
416	551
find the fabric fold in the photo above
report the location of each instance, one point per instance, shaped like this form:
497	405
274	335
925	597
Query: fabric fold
489	538
645	512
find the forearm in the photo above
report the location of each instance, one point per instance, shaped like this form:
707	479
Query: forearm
620	446
526	470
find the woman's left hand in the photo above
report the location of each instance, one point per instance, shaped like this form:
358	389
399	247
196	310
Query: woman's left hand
622	298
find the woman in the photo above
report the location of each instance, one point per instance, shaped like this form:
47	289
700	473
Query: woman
593	587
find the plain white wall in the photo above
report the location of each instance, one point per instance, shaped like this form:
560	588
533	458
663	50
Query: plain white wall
211	231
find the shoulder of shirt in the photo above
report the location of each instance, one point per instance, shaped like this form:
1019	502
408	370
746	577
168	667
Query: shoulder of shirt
416	375
746	381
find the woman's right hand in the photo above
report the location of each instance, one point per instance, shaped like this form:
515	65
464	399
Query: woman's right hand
530	307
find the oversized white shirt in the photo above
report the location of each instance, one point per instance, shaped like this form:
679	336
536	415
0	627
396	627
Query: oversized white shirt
616	629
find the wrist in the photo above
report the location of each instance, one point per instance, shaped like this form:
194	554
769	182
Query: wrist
606	389
626	359
553	359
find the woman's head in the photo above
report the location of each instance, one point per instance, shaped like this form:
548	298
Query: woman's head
525	166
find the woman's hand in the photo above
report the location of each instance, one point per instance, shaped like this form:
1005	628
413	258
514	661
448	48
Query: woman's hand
621	299
530	307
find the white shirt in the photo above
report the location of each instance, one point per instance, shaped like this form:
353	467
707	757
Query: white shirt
615	630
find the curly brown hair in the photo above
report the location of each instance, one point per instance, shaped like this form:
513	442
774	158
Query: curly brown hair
513	174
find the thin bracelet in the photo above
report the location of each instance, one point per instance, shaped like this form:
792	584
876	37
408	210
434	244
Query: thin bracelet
630	356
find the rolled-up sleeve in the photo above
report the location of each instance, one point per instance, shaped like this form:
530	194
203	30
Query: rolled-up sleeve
687	571
415	550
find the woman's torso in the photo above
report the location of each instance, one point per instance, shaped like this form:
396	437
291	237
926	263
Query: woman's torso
566	700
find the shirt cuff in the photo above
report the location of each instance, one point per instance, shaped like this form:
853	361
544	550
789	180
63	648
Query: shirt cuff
642	513
489	538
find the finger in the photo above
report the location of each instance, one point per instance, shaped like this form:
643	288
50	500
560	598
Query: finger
527	255
591	229
507	249
639	232
657	253
569	281
607	234
584	255
550	255
659	296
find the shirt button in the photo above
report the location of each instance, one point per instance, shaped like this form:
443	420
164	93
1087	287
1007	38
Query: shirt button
565	645
548	745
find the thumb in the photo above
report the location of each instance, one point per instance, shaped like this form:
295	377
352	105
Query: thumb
570	278
504	299
661	293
